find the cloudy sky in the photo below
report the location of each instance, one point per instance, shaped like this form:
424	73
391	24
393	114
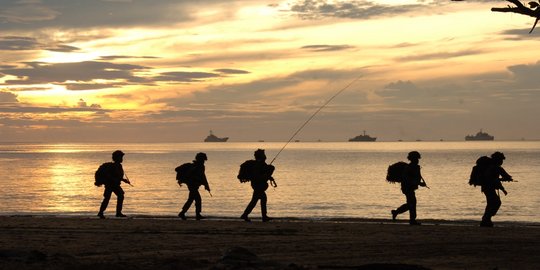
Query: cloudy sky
171	70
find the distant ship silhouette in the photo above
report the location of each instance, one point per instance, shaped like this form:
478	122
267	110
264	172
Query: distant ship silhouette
214	138
363	138
480	136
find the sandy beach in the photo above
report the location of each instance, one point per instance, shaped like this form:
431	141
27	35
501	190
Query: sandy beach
46	242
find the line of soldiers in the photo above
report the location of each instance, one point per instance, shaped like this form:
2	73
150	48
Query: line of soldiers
262	173
491	176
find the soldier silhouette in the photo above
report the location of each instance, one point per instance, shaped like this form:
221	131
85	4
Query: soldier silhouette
493	176
412	178
195	178
259	175
114	176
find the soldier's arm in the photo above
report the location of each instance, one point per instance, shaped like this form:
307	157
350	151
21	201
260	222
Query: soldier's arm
421	181
205	183
505	176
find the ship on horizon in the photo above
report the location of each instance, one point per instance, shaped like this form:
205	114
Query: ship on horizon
363	138
480	136
214	138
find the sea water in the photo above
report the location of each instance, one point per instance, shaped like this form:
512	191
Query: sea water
316	180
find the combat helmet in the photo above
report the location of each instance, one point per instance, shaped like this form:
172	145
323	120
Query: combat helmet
259	154
413	155
201	156
498	156
117	155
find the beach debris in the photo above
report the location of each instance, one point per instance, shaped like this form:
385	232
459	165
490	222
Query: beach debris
241	258
239	254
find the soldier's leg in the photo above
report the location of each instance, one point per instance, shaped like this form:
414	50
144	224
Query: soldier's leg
402	209
106	197
119	200
491	207
411	202
251	204
493	203
496	204
191	198
263	198
198	202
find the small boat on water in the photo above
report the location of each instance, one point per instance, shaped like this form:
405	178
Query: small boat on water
480	136
363	138
214	138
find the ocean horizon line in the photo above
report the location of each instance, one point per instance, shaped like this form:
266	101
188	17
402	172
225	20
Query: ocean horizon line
261	141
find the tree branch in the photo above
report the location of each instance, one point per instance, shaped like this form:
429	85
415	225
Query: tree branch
519	8
524	10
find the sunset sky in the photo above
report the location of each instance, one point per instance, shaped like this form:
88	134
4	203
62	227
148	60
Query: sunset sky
171	70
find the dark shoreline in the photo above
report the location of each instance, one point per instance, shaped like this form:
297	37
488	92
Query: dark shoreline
155	242
429	222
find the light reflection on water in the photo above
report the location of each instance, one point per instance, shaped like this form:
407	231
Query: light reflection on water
315	179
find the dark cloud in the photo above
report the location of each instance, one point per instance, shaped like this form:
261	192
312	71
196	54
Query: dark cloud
32	15
400	90
90	86
14	43
429	95
228	58
444	2
231	71
11	43
256	93
83	104
404	45
363	9
28	88
328	74
318	9
519	88
201	112
52	110
503	102
434	96
82	75
8	97
116	57
120	96
25	12
59	73
520	34
438	55
527	75
180	76
327	48
62	48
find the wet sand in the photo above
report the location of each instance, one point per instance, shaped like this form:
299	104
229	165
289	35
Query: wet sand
41	242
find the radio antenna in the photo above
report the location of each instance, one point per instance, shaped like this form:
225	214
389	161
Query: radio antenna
313	115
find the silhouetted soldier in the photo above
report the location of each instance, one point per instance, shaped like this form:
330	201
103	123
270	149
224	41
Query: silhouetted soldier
412	178
261	173
196	177
493	177
114	177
